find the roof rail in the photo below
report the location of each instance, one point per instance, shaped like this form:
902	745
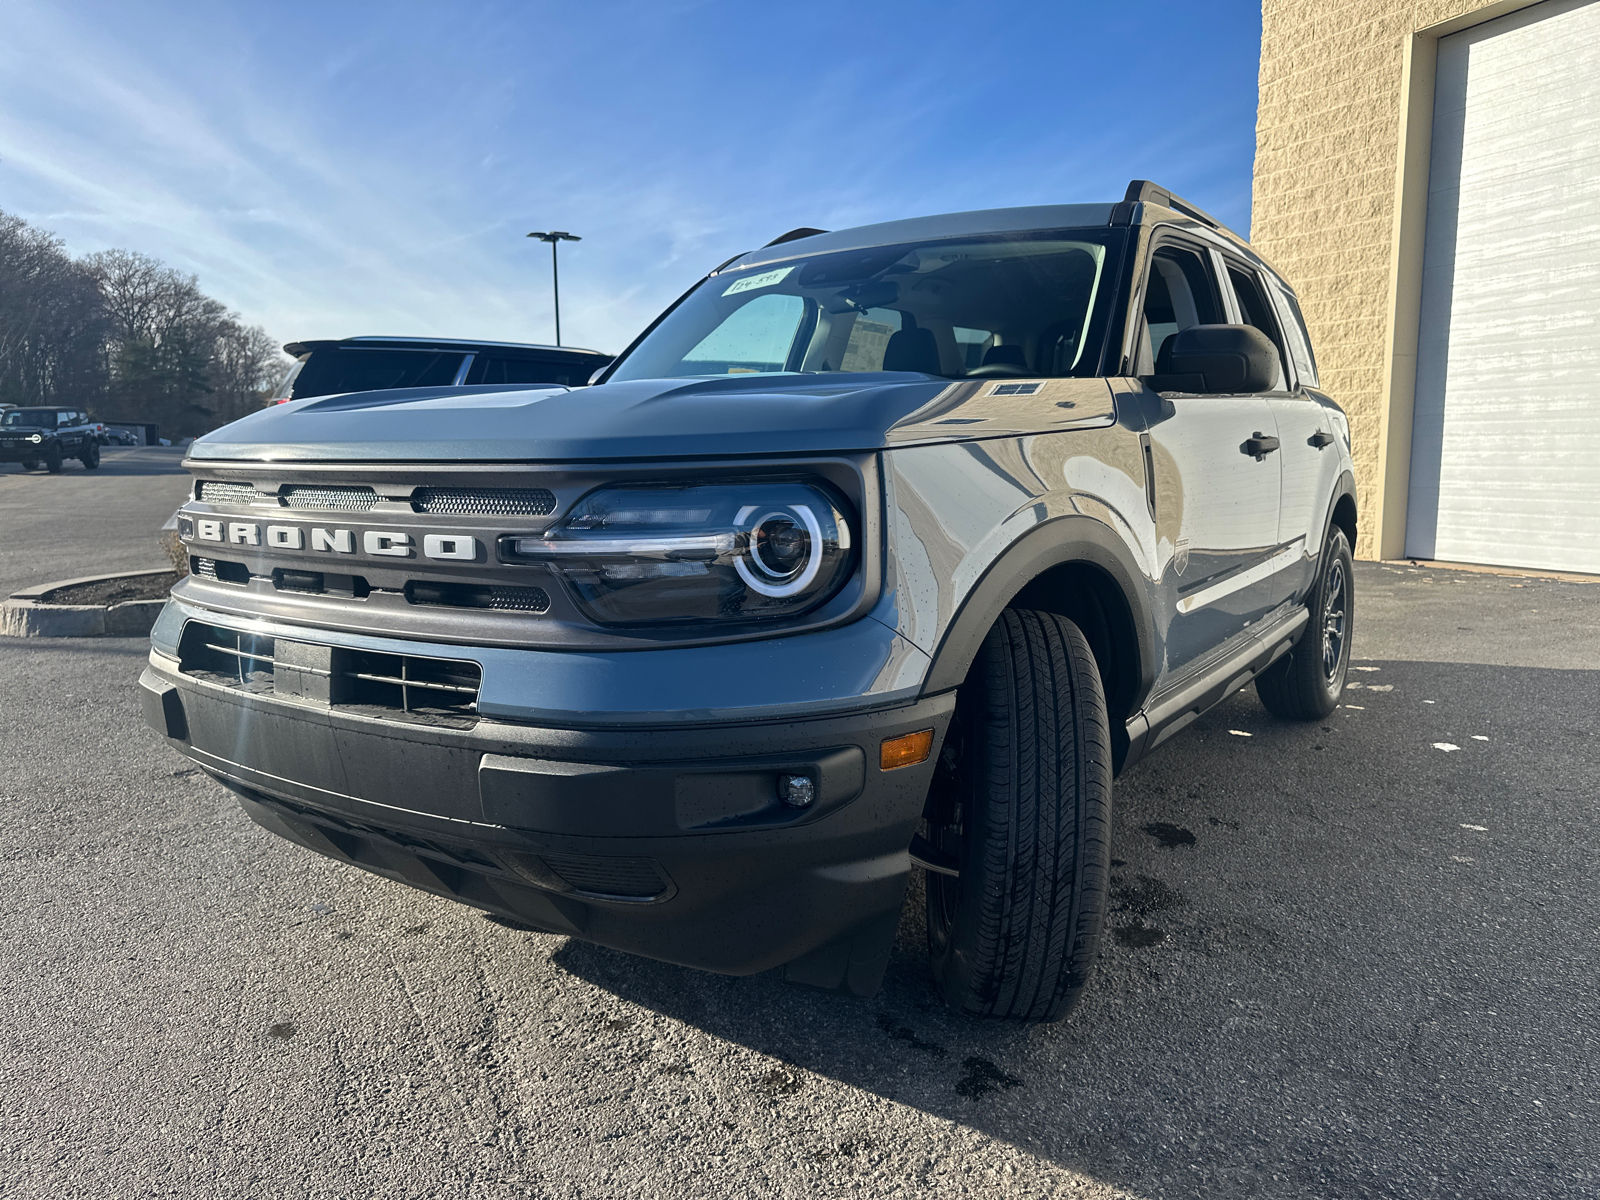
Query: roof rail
1142	191
794	235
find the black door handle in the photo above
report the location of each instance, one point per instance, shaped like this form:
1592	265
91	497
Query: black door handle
1259	446
1320	439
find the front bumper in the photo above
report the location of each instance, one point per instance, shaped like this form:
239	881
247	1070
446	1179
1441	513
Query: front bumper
661	837
25	452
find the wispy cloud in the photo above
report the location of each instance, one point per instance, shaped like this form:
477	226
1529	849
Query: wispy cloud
329	170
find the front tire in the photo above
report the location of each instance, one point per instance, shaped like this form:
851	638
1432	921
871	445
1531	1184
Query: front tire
1022	800
52	460
30	464
1306	683
91	456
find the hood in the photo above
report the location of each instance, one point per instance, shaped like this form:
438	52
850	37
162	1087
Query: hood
647	418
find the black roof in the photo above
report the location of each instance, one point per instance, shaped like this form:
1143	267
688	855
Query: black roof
527	349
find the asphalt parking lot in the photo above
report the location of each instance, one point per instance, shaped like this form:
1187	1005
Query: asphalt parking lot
1344	962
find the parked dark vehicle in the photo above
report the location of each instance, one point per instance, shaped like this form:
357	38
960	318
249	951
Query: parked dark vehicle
48	436
881	548
368	364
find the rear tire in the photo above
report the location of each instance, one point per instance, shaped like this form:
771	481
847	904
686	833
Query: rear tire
30	464
90	458
1306	683
52	460
1022	800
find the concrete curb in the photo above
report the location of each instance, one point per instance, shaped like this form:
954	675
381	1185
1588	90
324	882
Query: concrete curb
24	615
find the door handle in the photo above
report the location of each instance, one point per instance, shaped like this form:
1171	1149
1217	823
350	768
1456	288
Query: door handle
1259	445
1321	439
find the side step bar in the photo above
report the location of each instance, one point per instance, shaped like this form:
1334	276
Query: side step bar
1167	712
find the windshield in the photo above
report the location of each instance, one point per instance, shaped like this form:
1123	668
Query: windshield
989	307
44	418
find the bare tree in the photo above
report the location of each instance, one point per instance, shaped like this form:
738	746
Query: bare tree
125	334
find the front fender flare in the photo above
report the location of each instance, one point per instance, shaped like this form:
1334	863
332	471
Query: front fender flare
1066	539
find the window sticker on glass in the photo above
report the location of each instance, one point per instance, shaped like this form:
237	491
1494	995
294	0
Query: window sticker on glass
751	282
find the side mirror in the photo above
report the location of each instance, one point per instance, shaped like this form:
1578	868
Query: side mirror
1217	360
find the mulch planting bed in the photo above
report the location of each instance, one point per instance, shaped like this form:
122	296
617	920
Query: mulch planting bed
113	591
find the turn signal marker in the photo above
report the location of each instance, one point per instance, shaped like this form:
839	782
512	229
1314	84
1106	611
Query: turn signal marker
907	750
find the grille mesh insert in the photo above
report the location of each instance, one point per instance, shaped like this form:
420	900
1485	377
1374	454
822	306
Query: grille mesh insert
625	878
215	491
342	499
485	502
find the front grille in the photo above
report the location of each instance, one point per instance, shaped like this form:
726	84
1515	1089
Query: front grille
216	491
485	502
597	875
433	691
425	688
229	657
223	572
472	595
341	499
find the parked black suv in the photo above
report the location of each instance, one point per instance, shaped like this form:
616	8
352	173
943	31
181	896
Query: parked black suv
31	436
366	364
881	548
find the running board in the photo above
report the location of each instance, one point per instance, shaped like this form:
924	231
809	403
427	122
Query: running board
1166	713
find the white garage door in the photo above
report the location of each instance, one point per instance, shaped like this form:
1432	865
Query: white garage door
1505	458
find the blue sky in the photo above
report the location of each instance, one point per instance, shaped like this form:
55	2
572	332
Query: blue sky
341	168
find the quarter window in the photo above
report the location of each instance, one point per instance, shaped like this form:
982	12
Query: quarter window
1294	330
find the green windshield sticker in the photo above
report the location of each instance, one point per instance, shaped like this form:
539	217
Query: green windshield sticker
751	282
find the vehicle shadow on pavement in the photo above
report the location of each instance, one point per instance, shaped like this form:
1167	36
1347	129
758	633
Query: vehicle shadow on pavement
1351	957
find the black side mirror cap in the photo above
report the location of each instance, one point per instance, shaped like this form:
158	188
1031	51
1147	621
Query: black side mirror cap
1217	360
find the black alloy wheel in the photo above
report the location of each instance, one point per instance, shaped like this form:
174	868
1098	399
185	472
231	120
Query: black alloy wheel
1021	806
1306	683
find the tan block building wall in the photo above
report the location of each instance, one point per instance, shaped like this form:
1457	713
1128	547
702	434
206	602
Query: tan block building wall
1339	206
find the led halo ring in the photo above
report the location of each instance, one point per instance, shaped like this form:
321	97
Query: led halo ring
806	576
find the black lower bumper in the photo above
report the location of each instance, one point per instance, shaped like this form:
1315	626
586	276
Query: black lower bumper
670	843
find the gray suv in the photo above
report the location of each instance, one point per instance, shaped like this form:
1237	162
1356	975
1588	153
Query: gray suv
881	550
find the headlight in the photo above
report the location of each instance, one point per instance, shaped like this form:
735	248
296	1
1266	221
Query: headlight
36	438
719	552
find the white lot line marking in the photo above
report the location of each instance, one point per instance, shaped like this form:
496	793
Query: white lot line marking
1366	668
1478	737
1459	858
1240	733
1380	687
1429	702
1446	746
1475	828
1357	707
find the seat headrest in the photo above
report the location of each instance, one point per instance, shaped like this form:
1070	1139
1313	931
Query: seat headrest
912	350
1011	356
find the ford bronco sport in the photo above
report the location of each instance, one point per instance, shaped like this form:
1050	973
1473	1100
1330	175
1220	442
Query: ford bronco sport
881	548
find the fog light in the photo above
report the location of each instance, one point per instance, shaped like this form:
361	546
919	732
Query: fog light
797	791
907	750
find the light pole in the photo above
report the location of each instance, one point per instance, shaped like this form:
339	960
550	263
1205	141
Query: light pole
554	236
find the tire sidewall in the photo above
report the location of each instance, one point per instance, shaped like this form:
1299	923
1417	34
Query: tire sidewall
1335	555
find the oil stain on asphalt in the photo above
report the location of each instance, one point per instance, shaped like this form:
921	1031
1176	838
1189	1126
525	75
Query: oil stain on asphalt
983	1077
1169	835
